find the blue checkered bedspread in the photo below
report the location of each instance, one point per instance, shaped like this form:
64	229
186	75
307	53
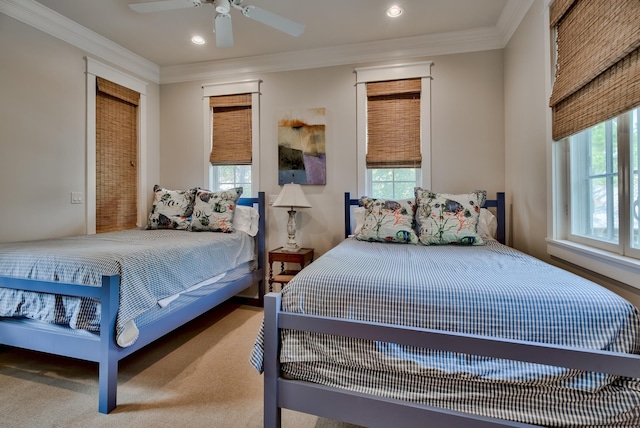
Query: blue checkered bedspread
490	290
152	264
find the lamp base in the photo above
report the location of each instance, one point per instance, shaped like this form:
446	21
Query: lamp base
290	248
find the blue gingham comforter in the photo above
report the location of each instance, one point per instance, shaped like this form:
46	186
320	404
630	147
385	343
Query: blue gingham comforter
152	264
490	290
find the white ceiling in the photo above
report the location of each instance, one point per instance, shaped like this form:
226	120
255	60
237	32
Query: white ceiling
164	37
336	31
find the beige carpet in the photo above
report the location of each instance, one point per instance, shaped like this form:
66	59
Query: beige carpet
197	376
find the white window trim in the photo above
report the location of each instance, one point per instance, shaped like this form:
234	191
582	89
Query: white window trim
231	88
393	72
612	265
96	69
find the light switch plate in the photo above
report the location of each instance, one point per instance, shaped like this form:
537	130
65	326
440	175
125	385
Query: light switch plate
76	197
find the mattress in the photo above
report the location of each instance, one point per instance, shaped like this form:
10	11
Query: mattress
152	264
490	290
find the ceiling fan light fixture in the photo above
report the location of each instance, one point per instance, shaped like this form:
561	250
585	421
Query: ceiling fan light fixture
222	6
394	11
222	26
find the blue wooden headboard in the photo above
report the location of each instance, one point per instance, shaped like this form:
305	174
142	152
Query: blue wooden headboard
498	204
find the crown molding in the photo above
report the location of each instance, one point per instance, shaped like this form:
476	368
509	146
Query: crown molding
38	16
512	15
394	49
44	19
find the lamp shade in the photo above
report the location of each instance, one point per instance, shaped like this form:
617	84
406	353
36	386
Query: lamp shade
292	196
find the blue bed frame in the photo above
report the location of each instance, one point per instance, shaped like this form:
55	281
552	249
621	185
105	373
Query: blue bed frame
374	411
102	348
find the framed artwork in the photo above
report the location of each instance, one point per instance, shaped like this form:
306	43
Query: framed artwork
301	147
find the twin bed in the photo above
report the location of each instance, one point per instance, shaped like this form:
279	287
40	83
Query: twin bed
102	297
390	334
371	333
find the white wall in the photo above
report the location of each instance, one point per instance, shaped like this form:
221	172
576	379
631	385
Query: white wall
526	109
43	133
467	136
468	123
489	130
527	142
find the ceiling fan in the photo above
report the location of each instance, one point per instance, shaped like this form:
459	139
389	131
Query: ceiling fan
222	20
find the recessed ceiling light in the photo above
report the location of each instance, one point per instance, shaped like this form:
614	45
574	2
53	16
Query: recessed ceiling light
394	11
198	40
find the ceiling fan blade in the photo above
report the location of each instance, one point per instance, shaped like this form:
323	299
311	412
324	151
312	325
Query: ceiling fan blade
223	30
163	5
272	20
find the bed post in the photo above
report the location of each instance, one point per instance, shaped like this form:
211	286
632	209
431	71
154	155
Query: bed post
108	364
501	214
347	215
262	227
272	412
348	202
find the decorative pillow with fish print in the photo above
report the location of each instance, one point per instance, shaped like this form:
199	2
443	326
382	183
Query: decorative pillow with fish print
444	218
213	211
171	209
387	220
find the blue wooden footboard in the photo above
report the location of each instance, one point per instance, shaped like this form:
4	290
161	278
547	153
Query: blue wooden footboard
375	411
103	348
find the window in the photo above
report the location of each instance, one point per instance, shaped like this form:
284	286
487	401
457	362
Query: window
393	129
231	147
393	137
232	135
596	217
600	158
595	99
116	156
392	183
97	70
225	177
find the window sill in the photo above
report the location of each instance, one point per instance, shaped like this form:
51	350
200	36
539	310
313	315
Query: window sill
611	265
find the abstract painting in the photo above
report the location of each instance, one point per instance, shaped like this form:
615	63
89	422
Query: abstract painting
301	147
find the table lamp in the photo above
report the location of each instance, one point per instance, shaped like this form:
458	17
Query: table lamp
291	196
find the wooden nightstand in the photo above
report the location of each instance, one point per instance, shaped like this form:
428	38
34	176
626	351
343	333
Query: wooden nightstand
303	257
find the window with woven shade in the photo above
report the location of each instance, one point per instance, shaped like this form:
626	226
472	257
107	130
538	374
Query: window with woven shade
116	157
595	105
231	141
598	62
393	137
393	124
393	129
232	135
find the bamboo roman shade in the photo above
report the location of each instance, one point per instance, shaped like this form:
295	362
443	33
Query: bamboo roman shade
598	62
117	91
116	157
232	130
393	124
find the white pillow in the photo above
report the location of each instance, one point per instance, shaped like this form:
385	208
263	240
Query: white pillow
487	224
358	214
246	219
